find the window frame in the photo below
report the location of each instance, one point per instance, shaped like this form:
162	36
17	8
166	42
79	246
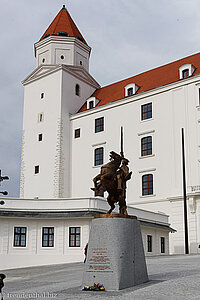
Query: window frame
162	244
146	141
147	183
48	234
187	72
77	241
91	104
149	243
77	133
98	157
20	234
99	125
37	169
129	91
146	115
40	137
40	117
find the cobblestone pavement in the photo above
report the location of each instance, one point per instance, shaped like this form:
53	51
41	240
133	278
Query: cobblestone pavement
170	278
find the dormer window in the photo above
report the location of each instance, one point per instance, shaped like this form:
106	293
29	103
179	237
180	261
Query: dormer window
131	89
186	71
91	102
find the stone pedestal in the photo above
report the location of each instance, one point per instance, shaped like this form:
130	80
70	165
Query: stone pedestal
115	253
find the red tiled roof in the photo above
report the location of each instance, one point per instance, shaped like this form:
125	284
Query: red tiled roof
146	81
63	23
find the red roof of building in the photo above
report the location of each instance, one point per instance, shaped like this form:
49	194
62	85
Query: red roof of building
63	23
146	81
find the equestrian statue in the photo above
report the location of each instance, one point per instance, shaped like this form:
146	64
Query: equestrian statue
112	178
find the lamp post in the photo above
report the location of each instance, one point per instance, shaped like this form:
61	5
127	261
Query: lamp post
185	195
5	193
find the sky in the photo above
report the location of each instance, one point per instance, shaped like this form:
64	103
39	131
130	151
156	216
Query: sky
127	37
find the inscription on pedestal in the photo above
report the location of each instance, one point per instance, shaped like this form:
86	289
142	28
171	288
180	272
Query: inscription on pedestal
99	261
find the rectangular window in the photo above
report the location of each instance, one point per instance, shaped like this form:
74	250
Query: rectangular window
19	236
149	243
74	236
130	91
37	169
47	236
162	244
98	156
146	146
77	133
99	124
146	111
185	73
147	184
40	137
91	104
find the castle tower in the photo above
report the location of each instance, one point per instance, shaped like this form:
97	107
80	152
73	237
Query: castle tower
57	88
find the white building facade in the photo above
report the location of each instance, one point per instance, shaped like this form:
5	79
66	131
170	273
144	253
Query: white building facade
53	231
71	124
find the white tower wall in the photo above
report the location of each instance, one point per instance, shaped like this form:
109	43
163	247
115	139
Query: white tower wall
62	50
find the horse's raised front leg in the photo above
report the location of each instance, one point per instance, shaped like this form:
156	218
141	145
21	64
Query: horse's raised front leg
97	183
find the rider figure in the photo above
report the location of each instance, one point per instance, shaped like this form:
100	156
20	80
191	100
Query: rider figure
123	175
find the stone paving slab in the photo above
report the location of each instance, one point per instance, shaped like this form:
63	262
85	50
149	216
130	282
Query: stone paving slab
171	278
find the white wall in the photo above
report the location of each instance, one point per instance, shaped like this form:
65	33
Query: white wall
40	153
34	254
174	106
53	47
172	110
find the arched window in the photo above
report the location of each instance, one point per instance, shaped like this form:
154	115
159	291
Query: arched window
146	146
147	184
77	89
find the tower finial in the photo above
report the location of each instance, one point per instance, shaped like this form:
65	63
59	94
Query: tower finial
63	5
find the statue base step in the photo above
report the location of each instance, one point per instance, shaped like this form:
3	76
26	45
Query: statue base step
115	256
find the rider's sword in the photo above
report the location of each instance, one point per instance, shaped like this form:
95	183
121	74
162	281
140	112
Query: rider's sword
122	142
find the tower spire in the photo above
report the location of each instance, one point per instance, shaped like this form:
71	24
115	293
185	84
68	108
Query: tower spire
63	23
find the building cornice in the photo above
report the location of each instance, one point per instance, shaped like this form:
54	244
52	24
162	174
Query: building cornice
72	70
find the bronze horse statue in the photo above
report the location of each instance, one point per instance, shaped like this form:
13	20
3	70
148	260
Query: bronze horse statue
107	179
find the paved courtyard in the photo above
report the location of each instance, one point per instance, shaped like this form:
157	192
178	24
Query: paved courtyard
170	277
